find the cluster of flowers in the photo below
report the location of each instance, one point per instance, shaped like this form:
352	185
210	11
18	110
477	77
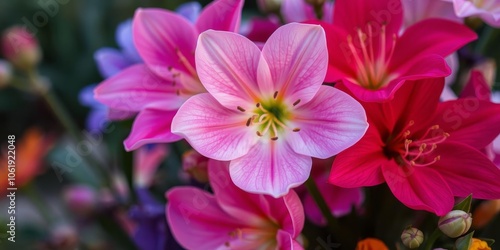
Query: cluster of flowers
361	80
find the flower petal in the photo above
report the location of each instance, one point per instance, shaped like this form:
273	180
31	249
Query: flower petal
296	11
474	174
189	10
152	125
286	242
135	88
213	130
469	121
110	61
443	39
270	167
420	188
329	123
476	87
359	165
297	58
227	66
197	220
221	15
287	211
164	40
232	199
125	40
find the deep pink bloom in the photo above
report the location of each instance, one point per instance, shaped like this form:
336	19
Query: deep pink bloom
267	111
232	218
300	11
488	10
426	151
370	57
166	42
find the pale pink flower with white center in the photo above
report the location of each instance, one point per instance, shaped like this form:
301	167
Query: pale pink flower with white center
488	10
267	111
231	218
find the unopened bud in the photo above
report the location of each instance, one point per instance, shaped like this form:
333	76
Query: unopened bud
195	165
269	6
412	237
5	73
478	244
455	223
485	212
21	48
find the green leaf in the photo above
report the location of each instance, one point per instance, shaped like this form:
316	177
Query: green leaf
464	243
464	205
490	242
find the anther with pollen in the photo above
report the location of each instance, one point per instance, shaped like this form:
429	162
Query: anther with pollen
296	130
241	109
274	138
249	121
275	94
296	102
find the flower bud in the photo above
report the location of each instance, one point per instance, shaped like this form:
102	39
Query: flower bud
485	212
269	6
371	244
455	223
5	73
412	237
21	48
195	165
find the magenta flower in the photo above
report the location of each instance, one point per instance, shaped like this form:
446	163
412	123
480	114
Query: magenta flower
488	10
266	111
416	11
166	42
427	152
232	218
369	57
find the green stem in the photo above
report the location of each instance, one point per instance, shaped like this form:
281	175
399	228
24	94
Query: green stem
65	119
488	35
36	198
325	210
434	236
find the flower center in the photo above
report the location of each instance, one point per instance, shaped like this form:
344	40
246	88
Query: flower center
270	117
419	152
371	66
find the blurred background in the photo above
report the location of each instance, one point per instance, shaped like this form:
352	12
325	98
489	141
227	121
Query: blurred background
59	189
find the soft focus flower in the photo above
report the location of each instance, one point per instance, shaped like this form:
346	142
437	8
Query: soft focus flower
269	6
412	237
341	201
166	42
371	244
485	212
189	10
196	165
371	59
260	29
111	61
151	230
415	144
147	159
478	244
232	218
488	10
30	150
269	115
21	48
300	11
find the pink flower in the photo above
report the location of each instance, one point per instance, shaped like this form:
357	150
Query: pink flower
266	111
232	218
371	59
426	151
488	10
300	11
166	42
